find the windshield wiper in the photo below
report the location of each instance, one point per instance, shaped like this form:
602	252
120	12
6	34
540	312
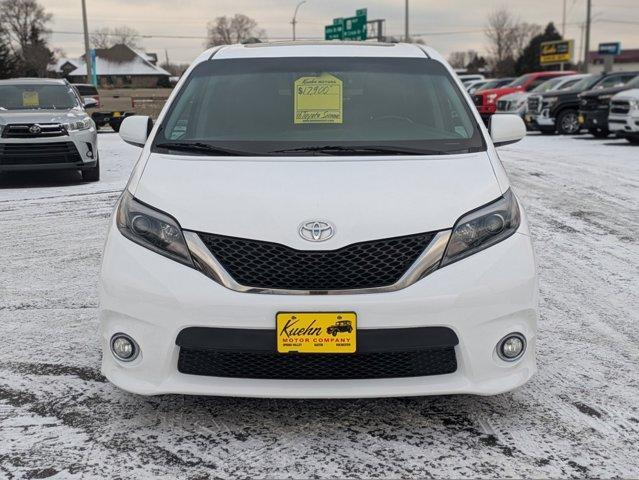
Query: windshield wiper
200	147
362	150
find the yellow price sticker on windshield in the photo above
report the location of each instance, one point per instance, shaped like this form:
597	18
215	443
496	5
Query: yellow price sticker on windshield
318	99
30	99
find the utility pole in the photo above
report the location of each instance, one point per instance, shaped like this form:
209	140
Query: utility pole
563	22
406	28
587	42
87	46
294	21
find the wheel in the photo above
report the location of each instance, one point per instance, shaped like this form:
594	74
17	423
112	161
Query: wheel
92	174
568	123
599	132
633	140
334	333
115	126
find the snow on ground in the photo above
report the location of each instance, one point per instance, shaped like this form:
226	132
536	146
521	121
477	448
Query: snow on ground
577	418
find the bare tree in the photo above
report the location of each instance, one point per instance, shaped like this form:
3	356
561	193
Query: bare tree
237	29
107	37
101	38
499	31
19	19
507	38
461	59
127	36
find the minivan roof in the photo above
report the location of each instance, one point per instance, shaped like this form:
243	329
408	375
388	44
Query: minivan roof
29	81
318	49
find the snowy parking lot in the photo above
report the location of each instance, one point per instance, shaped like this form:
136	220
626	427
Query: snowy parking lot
578	417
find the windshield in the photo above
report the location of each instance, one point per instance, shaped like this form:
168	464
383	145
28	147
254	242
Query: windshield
268	106
633	83
37	97
586	83
547	85
519	81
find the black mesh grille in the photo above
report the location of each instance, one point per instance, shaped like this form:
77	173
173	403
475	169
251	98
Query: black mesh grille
371	264
414	363
38	153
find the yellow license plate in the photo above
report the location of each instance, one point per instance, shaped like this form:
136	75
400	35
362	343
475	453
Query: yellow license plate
117	114
581	119
321	332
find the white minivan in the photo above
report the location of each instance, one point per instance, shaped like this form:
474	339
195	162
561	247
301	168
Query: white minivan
319	220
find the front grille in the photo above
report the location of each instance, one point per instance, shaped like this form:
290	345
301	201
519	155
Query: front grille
620	106
38	153
411	363
534	104
590	103
503	105
23	130
478	100
258	264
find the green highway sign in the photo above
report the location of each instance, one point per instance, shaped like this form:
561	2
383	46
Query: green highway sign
350	28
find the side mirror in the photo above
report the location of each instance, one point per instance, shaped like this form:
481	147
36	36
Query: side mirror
89	102
136	129
506	129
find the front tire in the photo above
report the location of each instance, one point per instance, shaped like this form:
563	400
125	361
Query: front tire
92	174
568	123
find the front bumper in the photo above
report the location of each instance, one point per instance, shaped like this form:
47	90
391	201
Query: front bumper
594	119
39	157
481	298
624	124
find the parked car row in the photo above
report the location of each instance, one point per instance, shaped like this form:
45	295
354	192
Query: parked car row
602	104
486	100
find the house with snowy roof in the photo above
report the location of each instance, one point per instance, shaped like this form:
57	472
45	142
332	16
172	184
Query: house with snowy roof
116	67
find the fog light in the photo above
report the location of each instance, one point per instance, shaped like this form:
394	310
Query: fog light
124	348
511	347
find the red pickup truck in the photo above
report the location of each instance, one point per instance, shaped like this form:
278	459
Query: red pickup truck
486	100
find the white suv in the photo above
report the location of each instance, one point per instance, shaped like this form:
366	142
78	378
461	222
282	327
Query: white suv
623	119
319	220
43	126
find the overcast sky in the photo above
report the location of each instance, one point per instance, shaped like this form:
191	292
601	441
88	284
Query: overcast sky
446	25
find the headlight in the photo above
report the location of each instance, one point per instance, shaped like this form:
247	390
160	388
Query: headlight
83	124
483	228
152	229
491	98
604	99
550	100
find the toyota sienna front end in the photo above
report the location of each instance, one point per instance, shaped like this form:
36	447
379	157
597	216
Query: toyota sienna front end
319	220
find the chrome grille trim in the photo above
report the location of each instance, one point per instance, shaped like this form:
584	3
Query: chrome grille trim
211	267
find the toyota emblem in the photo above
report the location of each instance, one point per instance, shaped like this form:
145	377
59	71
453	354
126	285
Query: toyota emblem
35	129
316	231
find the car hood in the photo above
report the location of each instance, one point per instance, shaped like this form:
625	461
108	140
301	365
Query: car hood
632	94
365	198
562	94
500	91
40	116
604	91
515	96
